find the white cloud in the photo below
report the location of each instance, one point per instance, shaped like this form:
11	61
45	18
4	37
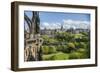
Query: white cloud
76	24
50	25
66	24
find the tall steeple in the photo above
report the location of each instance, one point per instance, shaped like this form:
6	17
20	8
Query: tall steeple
61	26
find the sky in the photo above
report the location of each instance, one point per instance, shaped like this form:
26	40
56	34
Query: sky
54	20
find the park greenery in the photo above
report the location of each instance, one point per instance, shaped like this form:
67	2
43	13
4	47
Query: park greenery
66	46
60	45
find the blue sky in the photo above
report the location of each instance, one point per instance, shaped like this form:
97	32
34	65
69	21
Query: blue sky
57	17
52	20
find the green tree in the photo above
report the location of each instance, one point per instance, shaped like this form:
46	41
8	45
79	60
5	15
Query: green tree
52	49
70	47
45	49
82	45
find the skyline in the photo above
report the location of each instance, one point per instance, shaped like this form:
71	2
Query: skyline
54	20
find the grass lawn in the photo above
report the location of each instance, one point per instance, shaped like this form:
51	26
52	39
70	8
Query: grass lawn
56	56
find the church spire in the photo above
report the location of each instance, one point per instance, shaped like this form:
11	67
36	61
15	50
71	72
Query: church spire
61	26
